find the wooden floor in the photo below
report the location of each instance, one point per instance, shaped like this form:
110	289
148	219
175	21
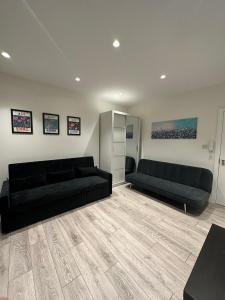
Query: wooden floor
127	246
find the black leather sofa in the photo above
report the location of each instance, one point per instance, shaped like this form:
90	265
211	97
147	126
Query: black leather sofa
42	189
190	186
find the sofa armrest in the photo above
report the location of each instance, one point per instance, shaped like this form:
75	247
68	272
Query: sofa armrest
4	196
107	176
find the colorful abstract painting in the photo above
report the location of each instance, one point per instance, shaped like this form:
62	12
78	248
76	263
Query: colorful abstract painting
175	129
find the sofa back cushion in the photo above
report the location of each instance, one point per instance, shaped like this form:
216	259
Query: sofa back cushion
59	176
187	175
87	171
36	168
28	182
130	164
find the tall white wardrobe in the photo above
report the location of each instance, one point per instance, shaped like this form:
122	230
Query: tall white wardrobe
113	144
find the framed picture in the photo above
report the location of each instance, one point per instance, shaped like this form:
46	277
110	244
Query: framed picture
22	121
50	123
73	125
130	131
175	129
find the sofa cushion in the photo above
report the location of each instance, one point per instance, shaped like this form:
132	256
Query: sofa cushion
187	175
28	182
57	191
176	191
64	175
47	166
129	165
87	171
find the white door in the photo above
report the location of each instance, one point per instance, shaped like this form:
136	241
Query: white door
119	148
133	138
220	197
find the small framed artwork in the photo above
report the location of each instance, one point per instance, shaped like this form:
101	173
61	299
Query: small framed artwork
130	131
50	124
73	125
22	121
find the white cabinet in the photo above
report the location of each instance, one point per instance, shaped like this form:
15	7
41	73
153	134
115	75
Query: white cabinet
113	144
119	149
119	135
119	120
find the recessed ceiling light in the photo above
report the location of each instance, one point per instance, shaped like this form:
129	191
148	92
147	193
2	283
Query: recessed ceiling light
116	43
77	79
118	95
5	54
163	76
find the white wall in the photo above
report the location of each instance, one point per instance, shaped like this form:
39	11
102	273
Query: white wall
203	104
23	94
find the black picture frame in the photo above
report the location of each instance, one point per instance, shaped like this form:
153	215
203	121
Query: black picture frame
77	132
130	132
21	113
48	130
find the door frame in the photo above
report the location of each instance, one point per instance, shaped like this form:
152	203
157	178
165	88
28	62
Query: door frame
219	132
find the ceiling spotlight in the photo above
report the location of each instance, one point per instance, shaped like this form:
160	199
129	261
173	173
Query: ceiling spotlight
163	76
116	44
77	79
5	54
118	95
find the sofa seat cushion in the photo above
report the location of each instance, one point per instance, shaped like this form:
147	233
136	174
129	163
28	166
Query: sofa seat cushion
176	191
57	191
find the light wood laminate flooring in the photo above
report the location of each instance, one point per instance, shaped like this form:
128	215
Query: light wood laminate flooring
127	246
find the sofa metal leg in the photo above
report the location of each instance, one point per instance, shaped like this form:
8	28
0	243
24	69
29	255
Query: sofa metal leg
185	208
130	185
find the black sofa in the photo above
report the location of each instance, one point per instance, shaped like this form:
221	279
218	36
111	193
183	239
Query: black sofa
130	165
190	186
42	189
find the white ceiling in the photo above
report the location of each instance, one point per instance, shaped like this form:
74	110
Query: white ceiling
54	41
